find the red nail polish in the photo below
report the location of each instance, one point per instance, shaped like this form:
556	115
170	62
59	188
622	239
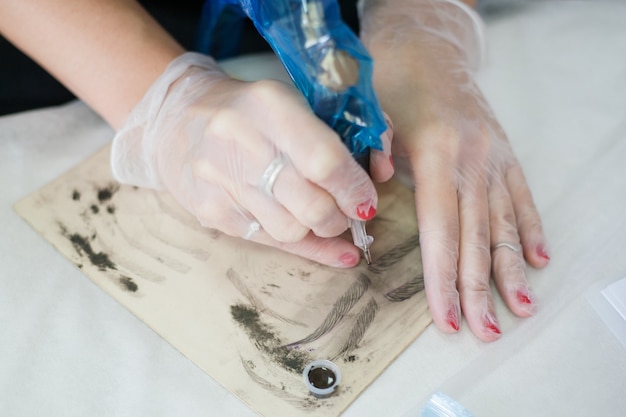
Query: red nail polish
366	211
541	251
349	259
524	297
453	318
490	324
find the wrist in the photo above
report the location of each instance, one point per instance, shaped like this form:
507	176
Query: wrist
424	23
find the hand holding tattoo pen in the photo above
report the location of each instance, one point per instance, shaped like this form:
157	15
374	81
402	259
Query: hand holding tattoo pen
330	66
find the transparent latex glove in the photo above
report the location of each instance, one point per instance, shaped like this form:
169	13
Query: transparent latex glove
470	192
211	141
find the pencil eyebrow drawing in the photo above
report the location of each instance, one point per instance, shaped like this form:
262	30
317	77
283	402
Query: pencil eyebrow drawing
339	310
364	319
250	316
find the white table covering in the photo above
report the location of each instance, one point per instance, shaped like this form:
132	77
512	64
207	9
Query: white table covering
556	77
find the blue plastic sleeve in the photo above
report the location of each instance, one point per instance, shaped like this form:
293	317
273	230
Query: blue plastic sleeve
353	113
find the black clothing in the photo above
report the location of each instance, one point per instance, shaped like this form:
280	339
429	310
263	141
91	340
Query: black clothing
24	85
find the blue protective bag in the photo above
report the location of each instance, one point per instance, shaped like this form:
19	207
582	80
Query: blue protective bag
304	44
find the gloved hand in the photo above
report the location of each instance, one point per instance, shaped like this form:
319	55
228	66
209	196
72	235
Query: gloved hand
476	215
249	159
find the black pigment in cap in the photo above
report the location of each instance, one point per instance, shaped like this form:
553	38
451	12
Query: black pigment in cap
321	377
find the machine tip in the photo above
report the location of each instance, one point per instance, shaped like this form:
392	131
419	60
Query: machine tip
368	256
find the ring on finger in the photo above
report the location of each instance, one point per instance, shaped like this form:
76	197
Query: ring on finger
253	227
271	174
512	246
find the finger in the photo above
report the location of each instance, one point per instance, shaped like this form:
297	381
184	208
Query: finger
528	219
217	210
381	162
275	219
309	204
335	252
475	261
318	153
246	157
437	214
508	265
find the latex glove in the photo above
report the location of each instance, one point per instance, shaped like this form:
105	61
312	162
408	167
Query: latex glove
470	191
208	139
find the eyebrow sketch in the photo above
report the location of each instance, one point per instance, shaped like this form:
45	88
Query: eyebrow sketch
277	390
395	255
406	291
352	296
254	301
364	320
251	316
338	311
346	302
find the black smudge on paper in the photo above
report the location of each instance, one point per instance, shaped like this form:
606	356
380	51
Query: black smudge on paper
266	340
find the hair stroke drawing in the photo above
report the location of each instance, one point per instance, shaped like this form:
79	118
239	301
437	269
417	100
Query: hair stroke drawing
250	316
344	326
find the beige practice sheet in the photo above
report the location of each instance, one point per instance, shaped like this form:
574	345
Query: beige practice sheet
250	316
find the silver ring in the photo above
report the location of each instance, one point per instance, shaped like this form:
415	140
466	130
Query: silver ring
270	174
513	247
253	227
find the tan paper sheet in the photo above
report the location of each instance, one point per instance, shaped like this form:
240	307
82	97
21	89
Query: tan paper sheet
250	316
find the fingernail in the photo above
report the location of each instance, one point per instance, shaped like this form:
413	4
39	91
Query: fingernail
391	162
366	211
526	300
542	252
491	324
349	259
452	318
524	296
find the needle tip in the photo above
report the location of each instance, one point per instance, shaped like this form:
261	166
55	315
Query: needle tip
368	256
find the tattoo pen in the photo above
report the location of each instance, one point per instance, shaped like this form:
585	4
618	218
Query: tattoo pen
329	65
346	100
357	227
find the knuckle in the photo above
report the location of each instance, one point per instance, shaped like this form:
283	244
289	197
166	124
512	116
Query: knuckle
222	121
474	283
317	214
529	220
442	241
265	91
512	270
504	219
324	163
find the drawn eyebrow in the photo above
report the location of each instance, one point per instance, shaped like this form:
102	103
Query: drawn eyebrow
395	255
407	290
280	392
364	320
254	301
339	310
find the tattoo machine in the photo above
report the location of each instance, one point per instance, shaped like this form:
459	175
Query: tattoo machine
327	63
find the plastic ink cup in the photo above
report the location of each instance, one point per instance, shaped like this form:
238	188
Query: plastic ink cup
321	377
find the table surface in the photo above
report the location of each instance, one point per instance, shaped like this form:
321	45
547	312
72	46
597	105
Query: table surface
555	76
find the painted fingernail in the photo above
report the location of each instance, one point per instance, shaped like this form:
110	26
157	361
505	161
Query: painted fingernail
542	252
452	318
524	296
491	324
349	259
366	211
527	305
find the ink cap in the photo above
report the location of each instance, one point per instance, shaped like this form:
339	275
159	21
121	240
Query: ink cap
322	378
